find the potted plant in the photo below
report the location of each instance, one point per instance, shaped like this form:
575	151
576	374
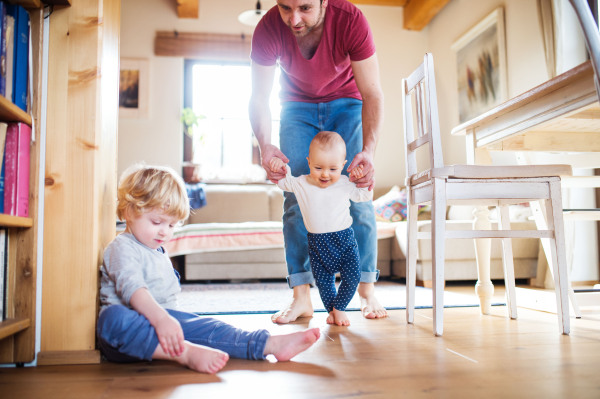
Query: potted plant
189	119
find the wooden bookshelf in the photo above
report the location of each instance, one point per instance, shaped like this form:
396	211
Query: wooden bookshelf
15	221
17	330
12	326
28	4
9	112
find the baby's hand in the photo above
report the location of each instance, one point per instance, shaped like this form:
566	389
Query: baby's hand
277	165
170	335
357	172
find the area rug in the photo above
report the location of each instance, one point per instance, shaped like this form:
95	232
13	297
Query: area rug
270	297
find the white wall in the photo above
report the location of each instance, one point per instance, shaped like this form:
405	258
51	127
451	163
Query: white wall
524	54
158	138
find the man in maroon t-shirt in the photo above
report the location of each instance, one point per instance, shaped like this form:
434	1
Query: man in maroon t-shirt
329	81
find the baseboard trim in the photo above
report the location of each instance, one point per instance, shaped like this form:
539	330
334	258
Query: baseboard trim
55	358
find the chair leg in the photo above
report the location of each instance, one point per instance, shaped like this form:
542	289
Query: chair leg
542	224
509	264
484	287
411	262
438	238
559	257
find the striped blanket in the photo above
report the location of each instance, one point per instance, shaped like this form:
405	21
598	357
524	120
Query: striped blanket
205	237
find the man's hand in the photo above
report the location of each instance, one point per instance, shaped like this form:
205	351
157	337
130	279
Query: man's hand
268	153
277	165
363	160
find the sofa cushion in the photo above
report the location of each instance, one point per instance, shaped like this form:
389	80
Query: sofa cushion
391	207
275	204
233	203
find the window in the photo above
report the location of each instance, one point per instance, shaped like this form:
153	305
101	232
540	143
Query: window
224	146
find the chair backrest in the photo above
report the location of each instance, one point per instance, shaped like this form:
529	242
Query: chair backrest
421	121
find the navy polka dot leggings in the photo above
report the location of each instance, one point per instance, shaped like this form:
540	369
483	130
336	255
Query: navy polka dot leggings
329	254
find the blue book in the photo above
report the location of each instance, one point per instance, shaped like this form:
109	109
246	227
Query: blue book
21	55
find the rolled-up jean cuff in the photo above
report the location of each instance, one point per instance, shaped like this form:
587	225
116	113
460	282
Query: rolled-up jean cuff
369	277
300	278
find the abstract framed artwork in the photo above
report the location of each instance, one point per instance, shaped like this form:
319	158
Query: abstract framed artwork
481	66
133	88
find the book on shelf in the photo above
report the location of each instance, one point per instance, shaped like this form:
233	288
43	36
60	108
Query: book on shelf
2	187
16	169
3	128
20	62
9	34
3	48
3	272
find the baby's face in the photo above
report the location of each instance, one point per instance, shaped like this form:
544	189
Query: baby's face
152	228
326	165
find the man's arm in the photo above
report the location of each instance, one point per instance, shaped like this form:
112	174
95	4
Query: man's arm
366	75
260	117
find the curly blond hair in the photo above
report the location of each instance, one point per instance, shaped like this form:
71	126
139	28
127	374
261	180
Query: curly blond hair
143	187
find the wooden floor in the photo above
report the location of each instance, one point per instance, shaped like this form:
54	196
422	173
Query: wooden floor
478	356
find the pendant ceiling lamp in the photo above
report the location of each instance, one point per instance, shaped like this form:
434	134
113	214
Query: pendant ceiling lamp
251	17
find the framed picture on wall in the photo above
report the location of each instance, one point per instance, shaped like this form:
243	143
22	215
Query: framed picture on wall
481	66
133	88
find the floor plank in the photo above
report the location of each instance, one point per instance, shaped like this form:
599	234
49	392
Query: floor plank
478	355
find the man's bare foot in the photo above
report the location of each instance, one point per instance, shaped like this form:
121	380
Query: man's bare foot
338	317
369	305
286	346
196	357
301	306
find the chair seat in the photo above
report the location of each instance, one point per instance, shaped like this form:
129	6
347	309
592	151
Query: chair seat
492	172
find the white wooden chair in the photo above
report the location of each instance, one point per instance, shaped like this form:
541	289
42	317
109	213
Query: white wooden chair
592	41
430	181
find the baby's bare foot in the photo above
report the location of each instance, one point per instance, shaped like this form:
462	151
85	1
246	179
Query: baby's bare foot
338	317
204	359
301	306
286	346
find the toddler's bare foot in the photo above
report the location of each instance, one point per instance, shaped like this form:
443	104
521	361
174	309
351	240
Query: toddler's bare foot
197	357
338	317
369	305
286	346
301	306
204	359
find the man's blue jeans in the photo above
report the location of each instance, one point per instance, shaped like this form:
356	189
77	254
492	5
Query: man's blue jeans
300	122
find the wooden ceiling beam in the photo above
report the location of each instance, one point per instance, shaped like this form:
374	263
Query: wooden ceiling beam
418	13
187	8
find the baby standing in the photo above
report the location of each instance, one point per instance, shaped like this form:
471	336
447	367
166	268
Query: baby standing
324	198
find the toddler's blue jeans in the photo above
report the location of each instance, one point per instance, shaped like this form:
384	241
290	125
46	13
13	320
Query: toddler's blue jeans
124	335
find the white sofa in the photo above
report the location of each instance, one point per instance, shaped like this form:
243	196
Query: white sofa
237	236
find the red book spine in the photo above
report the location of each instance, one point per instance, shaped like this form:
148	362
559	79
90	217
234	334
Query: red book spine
16	174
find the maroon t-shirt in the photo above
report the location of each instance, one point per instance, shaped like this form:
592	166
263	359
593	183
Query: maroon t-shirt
327	75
